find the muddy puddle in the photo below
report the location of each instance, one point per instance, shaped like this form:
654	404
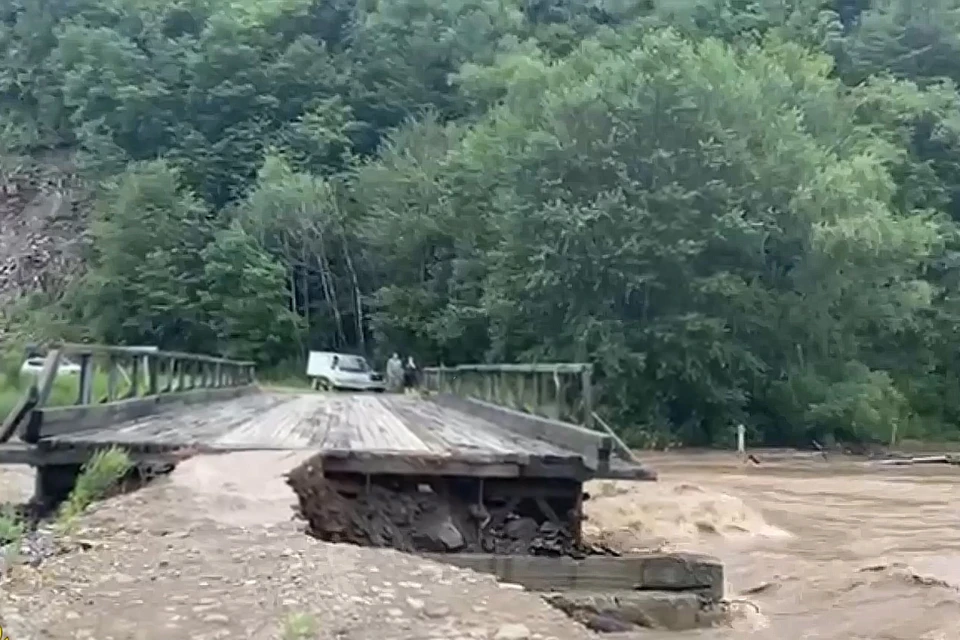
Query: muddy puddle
837	550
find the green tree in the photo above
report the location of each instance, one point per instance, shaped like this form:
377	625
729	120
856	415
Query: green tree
684	214
246	299
146	269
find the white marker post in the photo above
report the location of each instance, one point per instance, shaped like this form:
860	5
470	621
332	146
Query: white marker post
741	440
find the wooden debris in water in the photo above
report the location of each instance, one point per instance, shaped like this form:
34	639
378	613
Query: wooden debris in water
950	459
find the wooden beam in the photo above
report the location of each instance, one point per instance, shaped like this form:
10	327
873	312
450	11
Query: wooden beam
100	349
50	422
20	412
642	572
48	375
589	444
586	388
558	367
386	463
85	386
620	470
40	457
623	451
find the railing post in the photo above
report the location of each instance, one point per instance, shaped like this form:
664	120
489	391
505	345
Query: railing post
134	377
153	371
521	400
181	374
171	366
586	388
48	376
85	390
555	407
111	377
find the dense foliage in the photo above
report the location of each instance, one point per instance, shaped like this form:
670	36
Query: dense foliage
741	211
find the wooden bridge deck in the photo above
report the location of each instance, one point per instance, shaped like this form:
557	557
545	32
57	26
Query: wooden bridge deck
361	433
153	402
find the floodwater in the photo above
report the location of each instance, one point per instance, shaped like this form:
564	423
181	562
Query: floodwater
820	550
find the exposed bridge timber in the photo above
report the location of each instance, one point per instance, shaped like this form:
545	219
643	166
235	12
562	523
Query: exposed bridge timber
489	421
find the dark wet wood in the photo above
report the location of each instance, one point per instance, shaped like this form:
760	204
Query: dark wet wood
634	572
594	447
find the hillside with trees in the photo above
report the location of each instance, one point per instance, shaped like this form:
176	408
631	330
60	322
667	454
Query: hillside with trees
740	211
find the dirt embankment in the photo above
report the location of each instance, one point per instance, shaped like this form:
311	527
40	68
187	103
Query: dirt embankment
422	515
425	516
212	552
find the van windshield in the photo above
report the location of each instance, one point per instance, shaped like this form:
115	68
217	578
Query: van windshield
352	364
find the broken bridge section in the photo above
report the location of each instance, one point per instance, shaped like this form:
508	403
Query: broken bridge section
488	461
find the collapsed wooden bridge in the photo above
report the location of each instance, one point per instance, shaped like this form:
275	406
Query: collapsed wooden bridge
485	469
501	422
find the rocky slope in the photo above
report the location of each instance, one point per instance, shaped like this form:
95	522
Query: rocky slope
41	227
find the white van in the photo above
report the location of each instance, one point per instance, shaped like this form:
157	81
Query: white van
33	366
328	370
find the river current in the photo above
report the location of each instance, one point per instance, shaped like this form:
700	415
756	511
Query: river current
814	550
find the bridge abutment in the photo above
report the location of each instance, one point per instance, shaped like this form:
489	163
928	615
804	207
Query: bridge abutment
53	484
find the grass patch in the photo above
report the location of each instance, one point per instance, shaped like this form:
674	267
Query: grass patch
65	390
300	626
100	475
12	529
11	526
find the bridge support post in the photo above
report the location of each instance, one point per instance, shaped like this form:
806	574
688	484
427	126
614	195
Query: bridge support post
53	484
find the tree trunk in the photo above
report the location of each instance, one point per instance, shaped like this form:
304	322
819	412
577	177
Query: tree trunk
357	298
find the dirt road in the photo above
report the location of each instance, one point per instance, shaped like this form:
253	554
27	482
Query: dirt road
211	553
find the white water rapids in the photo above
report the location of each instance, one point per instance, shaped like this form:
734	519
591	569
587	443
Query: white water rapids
838	550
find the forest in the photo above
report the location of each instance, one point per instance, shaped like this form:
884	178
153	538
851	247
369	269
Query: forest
741	211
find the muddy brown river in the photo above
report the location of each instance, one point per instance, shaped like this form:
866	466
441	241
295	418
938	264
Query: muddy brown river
839	550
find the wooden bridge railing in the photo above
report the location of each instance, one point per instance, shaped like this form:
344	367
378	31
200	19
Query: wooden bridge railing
559	391
81	386
549	401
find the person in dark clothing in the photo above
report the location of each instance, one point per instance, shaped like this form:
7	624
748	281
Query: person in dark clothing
410	375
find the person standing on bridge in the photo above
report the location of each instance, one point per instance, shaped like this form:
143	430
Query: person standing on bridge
410	375
394	372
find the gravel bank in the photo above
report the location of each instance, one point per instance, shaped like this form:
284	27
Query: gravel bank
211	552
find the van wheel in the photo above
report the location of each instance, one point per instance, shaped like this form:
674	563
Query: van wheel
322	384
